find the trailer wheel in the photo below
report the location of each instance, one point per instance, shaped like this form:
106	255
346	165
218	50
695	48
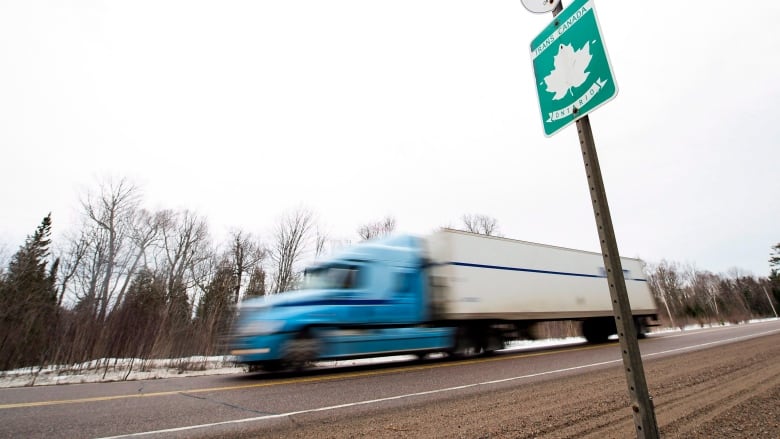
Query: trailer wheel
492	342
641	327
598	330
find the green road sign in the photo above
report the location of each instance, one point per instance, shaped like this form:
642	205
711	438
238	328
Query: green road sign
571	66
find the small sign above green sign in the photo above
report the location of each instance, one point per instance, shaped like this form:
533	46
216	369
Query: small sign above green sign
571	66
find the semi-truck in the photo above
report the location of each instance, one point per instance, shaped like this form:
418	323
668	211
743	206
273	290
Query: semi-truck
451	291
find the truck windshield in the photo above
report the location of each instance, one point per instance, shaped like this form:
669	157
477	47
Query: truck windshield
334	277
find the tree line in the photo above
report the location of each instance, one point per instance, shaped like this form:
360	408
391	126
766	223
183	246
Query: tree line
134	283
686	295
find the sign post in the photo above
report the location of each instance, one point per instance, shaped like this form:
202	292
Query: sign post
574	77
641	403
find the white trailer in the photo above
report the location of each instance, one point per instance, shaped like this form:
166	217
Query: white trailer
494	280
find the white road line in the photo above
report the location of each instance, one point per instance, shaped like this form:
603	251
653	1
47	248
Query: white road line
687	348
429	392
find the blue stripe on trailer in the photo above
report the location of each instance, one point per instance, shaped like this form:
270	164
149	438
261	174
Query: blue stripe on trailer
532	270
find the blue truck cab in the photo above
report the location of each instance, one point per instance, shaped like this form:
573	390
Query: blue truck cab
372	299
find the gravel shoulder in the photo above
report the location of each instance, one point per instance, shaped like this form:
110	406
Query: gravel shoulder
729	391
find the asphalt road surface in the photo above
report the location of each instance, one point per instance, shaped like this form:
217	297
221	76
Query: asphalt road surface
720	382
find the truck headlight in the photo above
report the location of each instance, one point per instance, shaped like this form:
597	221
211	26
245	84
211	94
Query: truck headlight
260	327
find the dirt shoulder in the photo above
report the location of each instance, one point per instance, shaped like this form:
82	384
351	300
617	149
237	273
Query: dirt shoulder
731	391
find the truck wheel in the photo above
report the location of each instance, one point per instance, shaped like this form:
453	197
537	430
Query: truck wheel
494	342
272	366
641	328
466	350
301	351
598	330
468	343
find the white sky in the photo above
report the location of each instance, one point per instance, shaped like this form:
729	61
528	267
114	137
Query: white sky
424	109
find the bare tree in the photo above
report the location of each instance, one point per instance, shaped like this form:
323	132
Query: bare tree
111	211
377	229
291	239
246	254
482	224
89	272
320	239
705	294
185	245
666	283
144	231
751	292
186	254
71	257
100	262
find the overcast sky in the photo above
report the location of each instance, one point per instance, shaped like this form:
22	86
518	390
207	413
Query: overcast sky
424	110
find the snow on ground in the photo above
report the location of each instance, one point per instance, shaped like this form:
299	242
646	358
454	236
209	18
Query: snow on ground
124	369
111	369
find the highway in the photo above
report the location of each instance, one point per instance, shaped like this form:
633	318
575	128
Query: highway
249	405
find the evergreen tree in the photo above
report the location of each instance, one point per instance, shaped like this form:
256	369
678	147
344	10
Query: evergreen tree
28	302
174	337
215	310
774	271
256	286
136	322
774	258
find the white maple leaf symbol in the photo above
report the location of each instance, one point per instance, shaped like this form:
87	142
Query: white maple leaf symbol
569	71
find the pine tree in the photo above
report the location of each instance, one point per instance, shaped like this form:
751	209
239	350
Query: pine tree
28	302
215	310
136	322
256	286
774	271
774	258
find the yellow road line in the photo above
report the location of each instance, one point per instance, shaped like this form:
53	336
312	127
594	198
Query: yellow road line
293	380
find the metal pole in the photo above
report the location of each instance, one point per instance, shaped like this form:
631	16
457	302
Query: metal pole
641	402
